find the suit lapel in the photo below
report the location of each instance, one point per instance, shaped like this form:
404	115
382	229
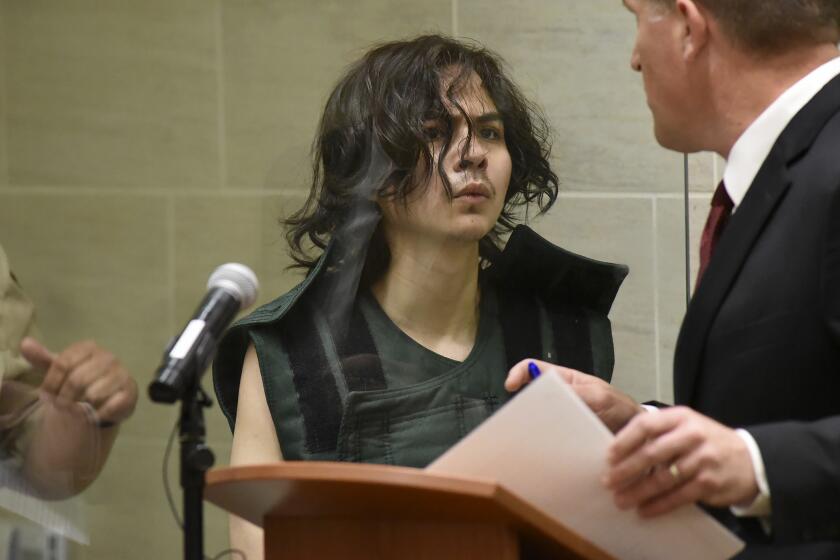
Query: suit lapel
731	252
740	235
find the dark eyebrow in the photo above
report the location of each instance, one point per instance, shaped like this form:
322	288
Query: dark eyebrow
488	117
484	118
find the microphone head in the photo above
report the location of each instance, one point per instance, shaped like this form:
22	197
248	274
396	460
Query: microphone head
237	279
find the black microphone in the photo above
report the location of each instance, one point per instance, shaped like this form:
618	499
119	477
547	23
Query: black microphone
231	287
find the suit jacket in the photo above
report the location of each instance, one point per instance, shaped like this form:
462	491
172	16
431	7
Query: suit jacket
760	344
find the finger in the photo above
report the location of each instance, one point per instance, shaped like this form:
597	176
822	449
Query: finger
639	430
119	406
76	353
688	493
36	353
657	482
63	364
53	379
101	389
662	450
518	375
96	366
598	398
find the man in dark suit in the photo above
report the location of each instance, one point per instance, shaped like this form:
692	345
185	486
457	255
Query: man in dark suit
757	364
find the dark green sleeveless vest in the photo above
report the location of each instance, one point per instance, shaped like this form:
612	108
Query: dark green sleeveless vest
329	393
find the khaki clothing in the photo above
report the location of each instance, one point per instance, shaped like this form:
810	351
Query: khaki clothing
19	382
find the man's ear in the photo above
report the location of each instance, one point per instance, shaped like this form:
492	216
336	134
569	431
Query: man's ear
695	33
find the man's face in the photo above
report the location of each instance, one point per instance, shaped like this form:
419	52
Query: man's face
478	176
657	56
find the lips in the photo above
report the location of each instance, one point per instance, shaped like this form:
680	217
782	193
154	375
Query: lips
473	191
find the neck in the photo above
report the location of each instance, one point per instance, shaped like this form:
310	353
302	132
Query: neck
430	291
748	85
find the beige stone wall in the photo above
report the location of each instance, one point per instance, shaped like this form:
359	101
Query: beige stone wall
143	143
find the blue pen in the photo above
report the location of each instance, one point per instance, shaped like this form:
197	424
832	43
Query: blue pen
533	370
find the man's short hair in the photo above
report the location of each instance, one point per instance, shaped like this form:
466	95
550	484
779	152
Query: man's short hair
772	26
380	109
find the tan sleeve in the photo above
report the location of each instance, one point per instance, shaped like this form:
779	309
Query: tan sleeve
19	382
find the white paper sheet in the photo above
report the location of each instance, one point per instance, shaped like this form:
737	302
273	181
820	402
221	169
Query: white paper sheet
547	446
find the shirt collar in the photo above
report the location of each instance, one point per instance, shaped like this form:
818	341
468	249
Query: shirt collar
753	146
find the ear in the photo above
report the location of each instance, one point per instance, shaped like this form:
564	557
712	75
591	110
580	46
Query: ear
695	33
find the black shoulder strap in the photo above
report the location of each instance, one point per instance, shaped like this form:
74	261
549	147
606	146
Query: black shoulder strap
521	328
520	318
572	339
318	394
358	355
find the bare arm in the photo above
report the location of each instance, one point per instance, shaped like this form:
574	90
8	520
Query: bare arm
254	442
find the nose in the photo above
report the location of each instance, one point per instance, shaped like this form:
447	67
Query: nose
472	155
635	60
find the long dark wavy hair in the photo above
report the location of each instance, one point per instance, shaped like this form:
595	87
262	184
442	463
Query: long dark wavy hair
381	105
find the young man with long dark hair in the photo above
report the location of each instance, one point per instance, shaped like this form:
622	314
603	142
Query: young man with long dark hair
399	340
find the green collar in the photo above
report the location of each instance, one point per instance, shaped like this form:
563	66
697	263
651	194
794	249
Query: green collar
528	261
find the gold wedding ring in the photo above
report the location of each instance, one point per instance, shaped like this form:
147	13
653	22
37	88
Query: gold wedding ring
675	471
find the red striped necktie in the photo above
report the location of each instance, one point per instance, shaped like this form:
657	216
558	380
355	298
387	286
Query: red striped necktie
718	217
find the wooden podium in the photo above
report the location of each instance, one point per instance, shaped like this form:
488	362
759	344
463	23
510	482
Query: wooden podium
312	510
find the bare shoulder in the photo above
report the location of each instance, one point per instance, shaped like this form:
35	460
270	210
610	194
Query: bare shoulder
254	437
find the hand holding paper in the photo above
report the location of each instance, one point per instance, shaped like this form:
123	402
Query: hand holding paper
548	447
690	458
614	408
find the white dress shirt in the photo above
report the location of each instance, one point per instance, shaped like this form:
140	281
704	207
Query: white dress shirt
745	159
754	145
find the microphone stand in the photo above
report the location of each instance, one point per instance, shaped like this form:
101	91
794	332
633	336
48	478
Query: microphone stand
196	459
231	287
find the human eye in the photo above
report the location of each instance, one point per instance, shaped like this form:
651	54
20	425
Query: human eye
491	132
434	131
